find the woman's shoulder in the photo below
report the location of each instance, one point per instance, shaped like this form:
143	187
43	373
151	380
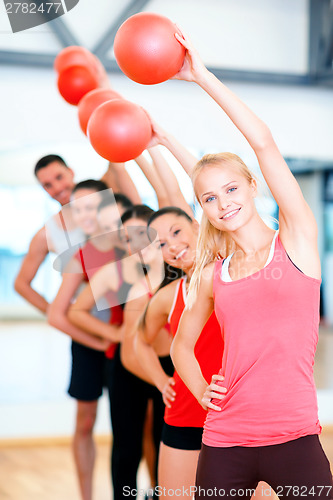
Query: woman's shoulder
74	266
171	287
210	269
164	296
207	277
106	276
109	269
140	286
139	290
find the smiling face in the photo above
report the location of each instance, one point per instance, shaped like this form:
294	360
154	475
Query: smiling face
84	203
177	237
58	181
135	238
226	196
109	217
109	220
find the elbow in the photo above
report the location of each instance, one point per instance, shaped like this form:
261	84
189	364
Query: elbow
71	315
18	286
53	317
124	360
52	321
128	359
264	139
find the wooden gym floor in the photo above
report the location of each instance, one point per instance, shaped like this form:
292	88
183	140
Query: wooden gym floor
45	471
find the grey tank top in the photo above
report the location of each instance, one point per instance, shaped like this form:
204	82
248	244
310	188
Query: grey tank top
63	242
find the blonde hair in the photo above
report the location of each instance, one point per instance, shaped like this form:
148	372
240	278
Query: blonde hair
213	244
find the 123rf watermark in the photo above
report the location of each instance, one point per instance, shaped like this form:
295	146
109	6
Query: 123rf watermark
263	491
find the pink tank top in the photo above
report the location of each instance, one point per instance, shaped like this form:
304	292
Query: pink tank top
270	328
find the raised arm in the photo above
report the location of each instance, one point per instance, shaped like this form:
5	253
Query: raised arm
57	312
155	181
118	179
184	157
155	318
37	252
167	176
79	313
298	229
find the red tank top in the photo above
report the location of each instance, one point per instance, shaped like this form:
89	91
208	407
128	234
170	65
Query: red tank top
270	328
92	259
185	411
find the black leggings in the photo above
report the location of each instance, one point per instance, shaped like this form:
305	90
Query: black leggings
296	469
129	397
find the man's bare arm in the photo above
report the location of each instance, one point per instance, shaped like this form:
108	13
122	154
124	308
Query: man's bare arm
37	252
118	179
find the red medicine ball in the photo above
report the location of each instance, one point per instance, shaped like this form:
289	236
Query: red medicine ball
74	55
146	49
119	130
76	81
91	101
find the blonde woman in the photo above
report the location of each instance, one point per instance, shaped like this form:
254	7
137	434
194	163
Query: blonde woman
262	421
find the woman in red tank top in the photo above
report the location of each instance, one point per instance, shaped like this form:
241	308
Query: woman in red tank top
184	417
262	422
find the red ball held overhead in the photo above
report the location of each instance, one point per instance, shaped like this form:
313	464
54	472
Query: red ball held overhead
74	56
119	130
146	49
91	101
75	82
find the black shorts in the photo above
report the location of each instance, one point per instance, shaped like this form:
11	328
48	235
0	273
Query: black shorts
182	438
89	373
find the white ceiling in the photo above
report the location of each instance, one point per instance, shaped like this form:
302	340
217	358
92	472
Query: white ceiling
263	41
251	35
